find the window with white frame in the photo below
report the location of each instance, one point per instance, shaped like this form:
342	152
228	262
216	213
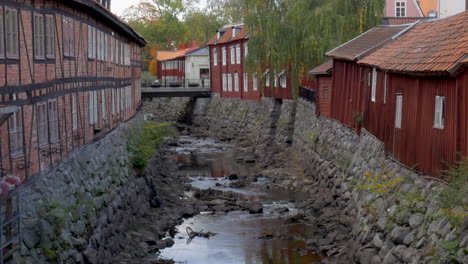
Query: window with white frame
238	54
113	101
400	8
267	78
215	57
93	107
233	54
42	129
68	37
11	30
91	42
74	112
39	36
439	114
275	78
229	77
255	82
103	104
374	85
398	111
224	83
283	79
236	82
246	82
246	49
50	36
128	96
224	55
2	37
122	99
15	125
117	93
53	120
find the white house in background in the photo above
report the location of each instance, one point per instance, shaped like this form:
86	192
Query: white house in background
197	66
452	7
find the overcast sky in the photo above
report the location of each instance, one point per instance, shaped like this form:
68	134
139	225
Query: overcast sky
118	6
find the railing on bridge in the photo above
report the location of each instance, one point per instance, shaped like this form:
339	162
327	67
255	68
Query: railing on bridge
179	83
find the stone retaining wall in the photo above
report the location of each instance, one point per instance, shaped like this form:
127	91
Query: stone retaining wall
78	212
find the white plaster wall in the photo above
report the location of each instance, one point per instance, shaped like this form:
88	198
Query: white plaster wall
193	64
451	7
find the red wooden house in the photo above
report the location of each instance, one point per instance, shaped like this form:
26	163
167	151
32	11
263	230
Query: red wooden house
171	65
417	101
348	78
229	78
228	49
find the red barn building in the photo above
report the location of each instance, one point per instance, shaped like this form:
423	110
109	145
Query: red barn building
69	73
417	101
348	78
229	78
171	65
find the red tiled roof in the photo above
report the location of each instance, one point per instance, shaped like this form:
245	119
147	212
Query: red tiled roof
362	45
227	34
430	47
324	68
171	55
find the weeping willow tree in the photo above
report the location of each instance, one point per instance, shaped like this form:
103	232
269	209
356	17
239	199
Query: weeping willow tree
295	34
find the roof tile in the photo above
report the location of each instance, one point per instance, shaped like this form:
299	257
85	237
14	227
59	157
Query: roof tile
357	47
434	46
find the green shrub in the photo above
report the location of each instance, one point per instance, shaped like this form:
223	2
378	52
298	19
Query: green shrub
145	140
453	197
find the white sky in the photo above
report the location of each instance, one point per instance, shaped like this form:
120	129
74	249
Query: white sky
118	6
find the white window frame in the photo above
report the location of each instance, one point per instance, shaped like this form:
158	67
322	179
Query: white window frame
283	79
68	37
74	113
233	54
42	124
103	104
224	55
238	54
224	82
11	33
246	82
255	82
439	112
52	111
236	82
275	79
39	36
15	124
91	42
92	106
267	79
401	5
229	82
215	56
398	111
113	101
50	36
374	85
246	49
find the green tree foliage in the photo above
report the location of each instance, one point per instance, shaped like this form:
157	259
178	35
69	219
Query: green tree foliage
295	34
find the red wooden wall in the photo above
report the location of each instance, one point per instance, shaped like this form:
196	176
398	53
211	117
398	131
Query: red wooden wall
346	92
324	83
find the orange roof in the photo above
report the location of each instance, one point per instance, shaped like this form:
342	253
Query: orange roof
171	55
431	47
365	43
428	5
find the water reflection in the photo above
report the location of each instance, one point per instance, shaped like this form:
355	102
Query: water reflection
237	239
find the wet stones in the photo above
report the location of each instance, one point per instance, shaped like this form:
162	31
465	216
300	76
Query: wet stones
255	208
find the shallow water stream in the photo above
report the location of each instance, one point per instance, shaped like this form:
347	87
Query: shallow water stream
241	237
